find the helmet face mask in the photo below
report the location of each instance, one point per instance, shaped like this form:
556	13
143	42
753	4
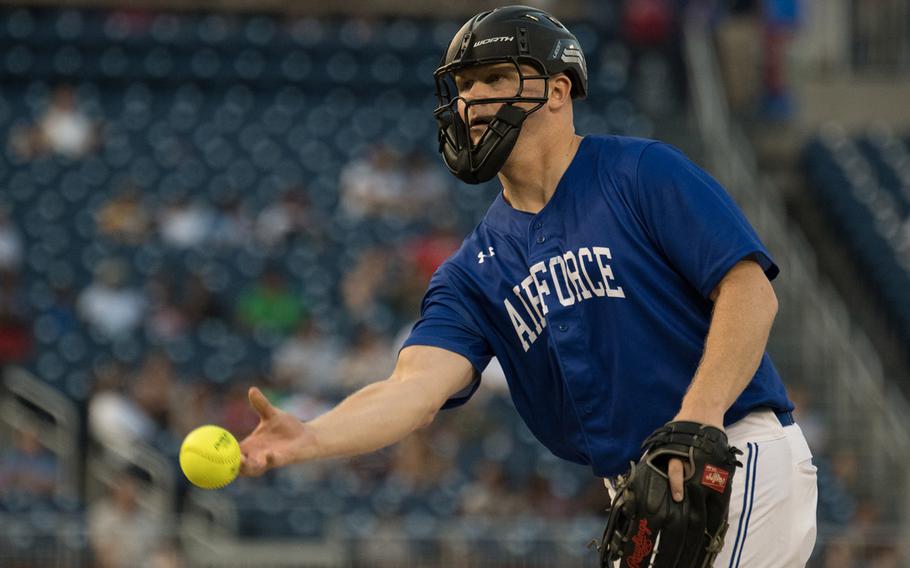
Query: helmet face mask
516	36
456	125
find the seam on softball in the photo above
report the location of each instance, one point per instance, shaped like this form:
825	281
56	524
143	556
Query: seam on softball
211	457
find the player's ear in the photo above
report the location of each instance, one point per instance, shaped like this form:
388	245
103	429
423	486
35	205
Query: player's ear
560	91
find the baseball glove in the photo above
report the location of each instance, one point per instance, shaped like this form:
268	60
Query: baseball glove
646	527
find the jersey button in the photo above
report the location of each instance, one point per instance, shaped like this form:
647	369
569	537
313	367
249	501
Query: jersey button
563	327
541	239
589	410
538	225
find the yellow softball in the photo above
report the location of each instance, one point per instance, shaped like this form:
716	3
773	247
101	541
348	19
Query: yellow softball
210	457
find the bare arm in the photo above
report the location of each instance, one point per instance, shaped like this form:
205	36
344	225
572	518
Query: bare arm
376	416
744	309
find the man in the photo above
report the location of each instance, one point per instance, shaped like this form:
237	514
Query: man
594	278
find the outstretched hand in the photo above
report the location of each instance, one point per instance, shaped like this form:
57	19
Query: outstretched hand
277	441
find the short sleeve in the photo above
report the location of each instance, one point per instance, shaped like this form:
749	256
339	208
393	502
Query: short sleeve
693	220
445	322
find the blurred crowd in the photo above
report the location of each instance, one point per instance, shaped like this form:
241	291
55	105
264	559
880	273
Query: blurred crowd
154	401
476	462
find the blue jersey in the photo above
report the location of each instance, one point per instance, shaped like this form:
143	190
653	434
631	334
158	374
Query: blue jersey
597	306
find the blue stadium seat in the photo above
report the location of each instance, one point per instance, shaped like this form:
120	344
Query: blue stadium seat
20	25
860	190
19	61
260	30
401	35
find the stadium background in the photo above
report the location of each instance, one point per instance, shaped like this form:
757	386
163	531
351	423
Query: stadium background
196	197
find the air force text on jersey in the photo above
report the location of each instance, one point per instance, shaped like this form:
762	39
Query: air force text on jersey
576	276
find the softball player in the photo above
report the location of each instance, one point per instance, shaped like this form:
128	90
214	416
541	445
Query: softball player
617	283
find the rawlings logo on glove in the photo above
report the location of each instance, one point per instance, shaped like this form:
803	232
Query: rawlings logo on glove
643	544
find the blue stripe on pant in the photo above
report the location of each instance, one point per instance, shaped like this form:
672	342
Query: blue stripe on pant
748	500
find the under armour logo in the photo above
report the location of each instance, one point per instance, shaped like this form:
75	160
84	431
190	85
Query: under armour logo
484	255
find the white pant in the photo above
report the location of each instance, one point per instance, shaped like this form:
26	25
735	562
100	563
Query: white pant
776	489
772	525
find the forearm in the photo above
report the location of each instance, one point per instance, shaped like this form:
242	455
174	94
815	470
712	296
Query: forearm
376	416
743	315
373	417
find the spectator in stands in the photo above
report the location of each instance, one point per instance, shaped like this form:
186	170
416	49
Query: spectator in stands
739	52
114	418
179	304
287	218
383	288
197	302
361	284
28	468
167	554
782	19
231	226
652	31
427	251
888	555
845	466
195	404
15	320
125	218
426	190
368	354
270	305
108	304
121	533
64	129
306	361
184	223
810	421
648	22
62	311
10	242
416	465
236	415
373	187
862	543
489	494
541	499
839	552
165	320
153	388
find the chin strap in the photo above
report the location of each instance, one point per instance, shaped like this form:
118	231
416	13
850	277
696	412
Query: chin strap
483	161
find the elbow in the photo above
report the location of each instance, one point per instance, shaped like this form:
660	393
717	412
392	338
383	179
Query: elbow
431	407
423	405
428	417
772	304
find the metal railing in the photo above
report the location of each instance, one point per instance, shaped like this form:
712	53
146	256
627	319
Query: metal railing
29	404
104	463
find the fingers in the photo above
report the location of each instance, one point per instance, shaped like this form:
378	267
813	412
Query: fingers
675	472
261	404
249	467
254	466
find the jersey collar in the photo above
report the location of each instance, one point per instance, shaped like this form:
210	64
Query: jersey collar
504	218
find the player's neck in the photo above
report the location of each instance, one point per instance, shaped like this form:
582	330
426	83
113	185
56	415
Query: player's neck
529	178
